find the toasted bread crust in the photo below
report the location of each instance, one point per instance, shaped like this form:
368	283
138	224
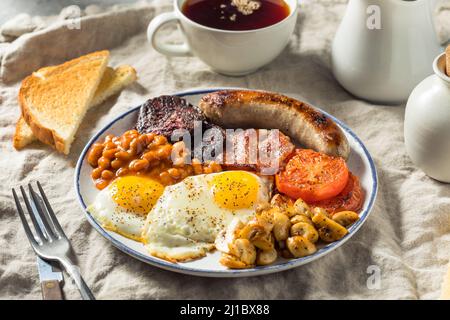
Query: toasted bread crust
23	134
112	82
44	134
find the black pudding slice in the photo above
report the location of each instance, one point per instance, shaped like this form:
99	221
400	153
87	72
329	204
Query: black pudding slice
163	115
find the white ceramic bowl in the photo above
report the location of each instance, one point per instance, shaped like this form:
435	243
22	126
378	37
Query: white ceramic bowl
360	163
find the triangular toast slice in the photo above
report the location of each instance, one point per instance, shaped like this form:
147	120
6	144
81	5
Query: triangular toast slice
54	100
113	81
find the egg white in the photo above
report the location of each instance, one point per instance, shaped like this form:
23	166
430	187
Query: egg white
185	221
115	218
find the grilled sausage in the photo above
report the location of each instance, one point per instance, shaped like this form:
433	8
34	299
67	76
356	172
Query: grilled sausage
257	109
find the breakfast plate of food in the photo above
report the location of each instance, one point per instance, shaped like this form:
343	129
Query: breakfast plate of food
226	182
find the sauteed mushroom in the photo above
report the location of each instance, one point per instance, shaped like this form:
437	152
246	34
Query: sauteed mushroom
301	207
300	247
232	262
329	230
281	226
266	257
346	218
305	230
301	218
244	250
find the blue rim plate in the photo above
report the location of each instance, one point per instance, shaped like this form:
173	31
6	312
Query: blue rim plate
360	162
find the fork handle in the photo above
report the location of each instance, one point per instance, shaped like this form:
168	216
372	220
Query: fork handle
74	273
85	292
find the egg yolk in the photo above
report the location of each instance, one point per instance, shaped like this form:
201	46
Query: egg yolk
136	194
234	189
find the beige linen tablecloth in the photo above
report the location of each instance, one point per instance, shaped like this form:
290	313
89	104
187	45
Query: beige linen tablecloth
406	238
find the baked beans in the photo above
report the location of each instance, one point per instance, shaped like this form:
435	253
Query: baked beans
148	154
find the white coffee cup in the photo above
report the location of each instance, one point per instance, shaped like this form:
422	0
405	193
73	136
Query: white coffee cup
233	53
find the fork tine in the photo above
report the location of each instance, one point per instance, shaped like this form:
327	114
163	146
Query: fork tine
28	231
39	231
42	213
50	212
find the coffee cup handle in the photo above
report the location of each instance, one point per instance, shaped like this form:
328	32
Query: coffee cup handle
174	50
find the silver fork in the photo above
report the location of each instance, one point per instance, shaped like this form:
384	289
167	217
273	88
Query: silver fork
49	241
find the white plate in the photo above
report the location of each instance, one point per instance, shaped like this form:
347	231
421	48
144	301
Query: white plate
360	163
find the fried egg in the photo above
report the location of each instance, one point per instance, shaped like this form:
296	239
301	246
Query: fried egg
189	215
123	206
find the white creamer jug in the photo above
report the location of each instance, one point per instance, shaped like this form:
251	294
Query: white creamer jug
427	123
384	48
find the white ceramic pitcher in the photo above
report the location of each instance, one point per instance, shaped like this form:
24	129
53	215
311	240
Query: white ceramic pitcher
427	123
384	48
